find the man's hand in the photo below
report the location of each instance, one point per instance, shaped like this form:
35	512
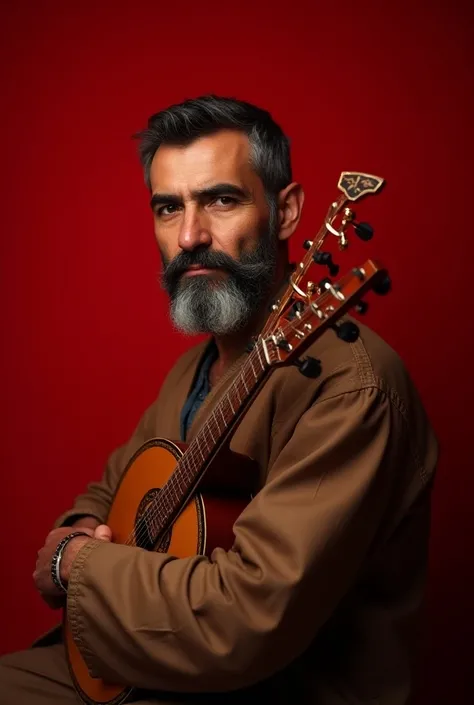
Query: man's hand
42	575
102	532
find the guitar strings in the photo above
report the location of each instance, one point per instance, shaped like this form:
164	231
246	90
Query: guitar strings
191	457
190	460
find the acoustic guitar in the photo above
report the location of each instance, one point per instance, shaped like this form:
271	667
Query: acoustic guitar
171	497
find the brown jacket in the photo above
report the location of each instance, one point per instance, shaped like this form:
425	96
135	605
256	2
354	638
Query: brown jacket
317	601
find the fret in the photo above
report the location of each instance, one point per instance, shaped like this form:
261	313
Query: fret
191	454
202	433
228	399
257	348
213	420
239	394
210	431
190	461
173	486
179	475
253	370
200	450
235	395
185	471
193	466
241	388
167	503
222	414
222	419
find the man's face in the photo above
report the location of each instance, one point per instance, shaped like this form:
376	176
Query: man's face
212	228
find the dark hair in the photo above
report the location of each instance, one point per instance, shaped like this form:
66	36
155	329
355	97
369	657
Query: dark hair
184	122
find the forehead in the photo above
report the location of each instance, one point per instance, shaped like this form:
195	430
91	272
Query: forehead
218	158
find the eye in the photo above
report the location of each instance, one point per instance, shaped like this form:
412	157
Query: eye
168	209
226	200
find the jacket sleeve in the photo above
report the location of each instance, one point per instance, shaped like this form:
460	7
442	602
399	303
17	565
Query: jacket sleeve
212	624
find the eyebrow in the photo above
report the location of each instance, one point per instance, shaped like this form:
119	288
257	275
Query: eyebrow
159	199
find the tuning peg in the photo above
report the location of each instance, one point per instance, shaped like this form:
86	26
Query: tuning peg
307	244
297	307
284	345
362	307
324	284
383	285
347	331
363	230
325	258
309	367
250	346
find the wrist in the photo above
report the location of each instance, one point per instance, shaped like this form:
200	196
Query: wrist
68	556
60	571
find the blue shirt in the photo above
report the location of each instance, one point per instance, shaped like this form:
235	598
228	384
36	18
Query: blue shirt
199	390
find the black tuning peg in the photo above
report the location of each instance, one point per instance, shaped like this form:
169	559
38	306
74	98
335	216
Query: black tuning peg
363	230
362	307
309	367
383	285
297	307
347	331
325	258
307	244
250	345
284	345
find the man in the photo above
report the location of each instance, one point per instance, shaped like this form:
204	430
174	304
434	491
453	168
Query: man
317	600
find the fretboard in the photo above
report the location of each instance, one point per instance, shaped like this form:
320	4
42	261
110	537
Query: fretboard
208	441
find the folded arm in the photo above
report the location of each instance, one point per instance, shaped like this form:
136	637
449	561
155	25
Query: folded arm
197	624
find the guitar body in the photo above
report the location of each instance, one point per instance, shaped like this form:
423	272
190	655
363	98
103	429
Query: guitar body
204	523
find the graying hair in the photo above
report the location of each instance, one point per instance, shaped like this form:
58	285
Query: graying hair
184	122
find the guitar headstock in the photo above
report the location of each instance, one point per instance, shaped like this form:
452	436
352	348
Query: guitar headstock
354	185
339	218
305	321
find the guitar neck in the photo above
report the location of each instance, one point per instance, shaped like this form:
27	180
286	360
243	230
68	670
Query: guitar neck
214	433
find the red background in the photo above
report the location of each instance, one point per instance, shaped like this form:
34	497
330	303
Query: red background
384	88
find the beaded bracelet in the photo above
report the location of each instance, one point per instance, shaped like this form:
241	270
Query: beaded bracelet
56	559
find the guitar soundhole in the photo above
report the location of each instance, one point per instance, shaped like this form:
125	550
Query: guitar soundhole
144	531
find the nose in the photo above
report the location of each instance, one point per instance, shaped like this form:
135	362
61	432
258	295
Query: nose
193	232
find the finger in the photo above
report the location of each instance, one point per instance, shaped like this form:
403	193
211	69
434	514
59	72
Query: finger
56	535
89	532
103	532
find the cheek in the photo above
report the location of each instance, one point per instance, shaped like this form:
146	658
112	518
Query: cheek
237	235
167	246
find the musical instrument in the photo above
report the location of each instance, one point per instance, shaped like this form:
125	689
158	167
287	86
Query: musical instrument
169	499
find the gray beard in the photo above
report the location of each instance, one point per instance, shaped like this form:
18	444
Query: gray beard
204	306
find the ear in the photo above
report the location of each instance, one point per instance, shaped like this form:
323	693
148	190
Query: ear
290	205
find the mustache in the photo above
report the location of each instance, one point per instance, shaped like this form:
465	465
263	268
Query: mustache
208	259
